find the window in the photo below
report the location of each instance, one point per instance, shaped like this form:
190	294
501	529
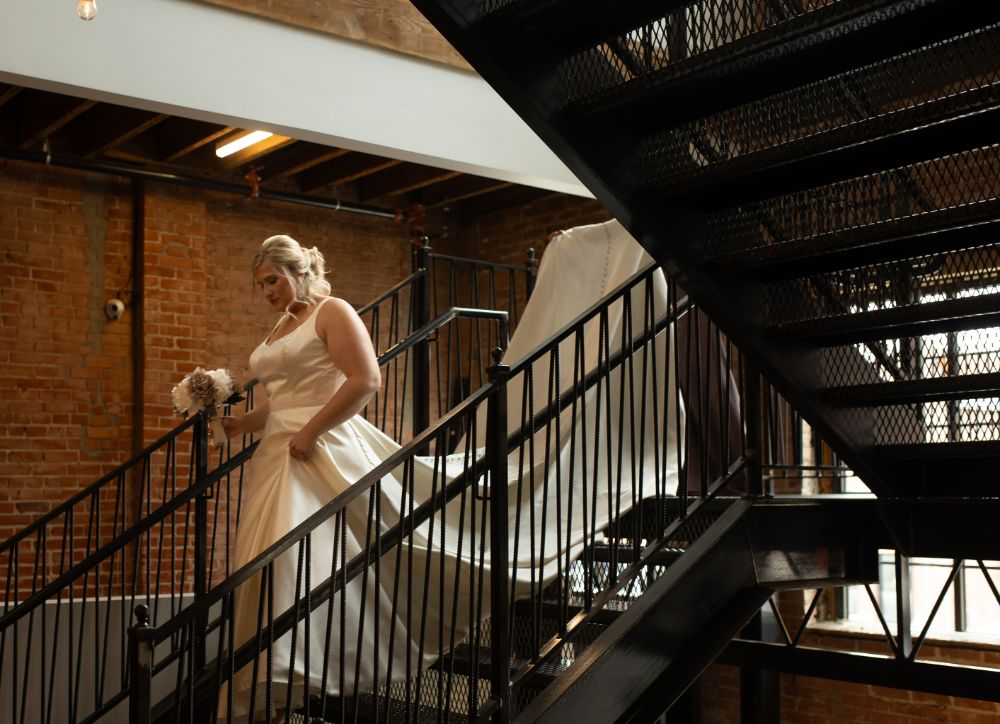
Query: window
968	603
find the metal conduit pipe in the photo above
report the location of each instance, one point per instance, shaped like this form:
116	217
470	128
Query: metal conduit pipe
121	169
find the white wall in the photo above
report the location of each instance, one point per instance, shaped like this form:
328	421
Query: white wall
208	63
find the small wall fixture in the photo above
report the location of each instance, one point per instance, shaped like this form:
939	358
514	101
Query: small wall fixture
86	9
240	142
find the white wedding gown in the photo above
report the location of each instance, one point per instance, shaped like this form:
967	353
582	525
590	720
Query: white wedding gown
579	267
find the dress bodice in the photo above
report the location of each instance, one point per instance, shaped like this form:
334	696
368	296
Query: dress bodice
296	369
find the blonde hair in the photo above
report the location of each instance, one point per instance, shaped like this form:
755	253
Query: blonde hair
305	269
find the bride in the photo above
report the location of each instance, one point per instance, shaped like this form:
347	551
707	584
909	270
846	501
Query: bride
319	370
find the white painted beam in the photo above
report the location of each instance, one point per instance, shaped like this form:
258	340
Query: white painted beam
208	63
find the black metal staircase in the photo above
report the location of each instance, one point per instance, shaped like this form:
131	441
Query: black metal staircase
820	176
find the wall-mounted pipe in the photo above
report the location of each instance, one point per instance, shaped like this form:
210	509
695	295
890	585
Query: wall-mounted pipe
134	172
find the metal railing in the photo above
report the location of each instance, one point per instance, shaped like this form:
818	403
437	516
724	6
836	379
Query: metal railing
159	529
443	585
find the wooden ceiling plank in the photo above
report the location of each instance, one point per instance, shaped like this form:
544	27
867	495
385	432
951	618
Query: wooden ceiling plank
107	126
499	200
345	169
460	189
402	179
8	92
296	160
45	113
181	136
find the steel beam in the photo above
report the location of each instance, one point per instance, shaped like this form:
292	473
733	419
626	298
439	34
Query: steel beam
969	682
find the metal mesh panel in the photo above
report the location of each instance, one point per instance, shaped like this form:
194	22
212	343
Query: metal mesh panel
931	356
678	40
919	189
902	283
871	94
936	422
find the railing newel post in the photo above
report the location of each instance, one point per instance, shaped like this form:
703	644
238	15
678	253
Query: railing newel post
141	639
496	452
532	265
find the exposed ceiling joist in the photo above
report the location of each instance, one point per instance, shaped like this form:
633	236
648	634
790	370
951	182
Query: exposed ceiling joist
297	158
106	126
400	180
179	137
459	189
83	130
46	114
7	92
342	170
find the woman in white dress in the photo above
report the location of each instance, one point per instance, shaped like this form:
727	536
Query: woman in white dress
319	370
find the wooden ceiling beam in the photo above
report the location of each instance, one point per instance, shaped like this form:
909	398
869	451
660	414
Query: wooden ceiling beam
459	189
499	200
296	159
344	169
41	114
179	137
8	92
106	125
401	179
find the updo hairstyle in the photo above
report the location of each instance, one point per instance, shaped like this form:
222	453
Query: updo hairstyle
305	269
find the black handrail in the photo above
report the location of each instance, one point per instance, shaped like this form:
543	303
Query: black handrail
392	291
90	489
185	424
392	537
226	467
163	512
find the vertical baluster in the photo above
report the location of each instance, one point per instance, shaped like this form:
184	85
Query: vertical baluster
496	435
672	404
753	434
421	350
200	443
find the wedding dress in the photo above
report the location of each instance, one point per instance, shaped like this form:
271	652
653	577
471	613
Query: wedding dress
578	268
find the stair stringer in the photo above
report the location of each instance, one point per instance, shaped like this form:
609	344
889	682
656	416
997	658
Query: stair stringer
660	646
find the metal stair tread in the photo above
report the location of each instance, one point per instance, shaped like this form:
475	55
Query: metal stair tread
977	449
812	46
918	234
947	315
933	129
919	390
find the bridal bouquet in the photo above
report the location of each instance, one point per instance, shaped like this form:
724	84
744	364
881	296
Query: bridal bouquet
204	391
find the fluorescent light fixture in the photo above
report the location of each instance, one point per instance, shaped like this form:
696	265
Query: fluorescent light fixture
238	144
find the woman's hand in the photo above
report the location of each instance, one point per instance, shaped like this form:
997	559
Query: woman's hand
232	426
301	445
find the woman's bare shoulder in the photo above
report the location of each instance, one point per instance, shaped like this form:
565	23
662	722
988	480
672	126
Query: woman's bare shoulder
334	310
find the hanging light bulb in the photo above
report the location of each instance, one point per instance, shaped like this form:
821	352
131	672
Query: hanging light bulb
86	9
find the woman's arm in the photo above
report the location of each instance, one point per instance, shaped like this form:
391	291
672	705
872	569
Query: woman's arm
350	349
251	422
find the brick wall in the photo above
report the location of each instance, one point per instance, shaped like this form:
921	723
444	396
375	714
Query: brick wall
504	236
65	369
